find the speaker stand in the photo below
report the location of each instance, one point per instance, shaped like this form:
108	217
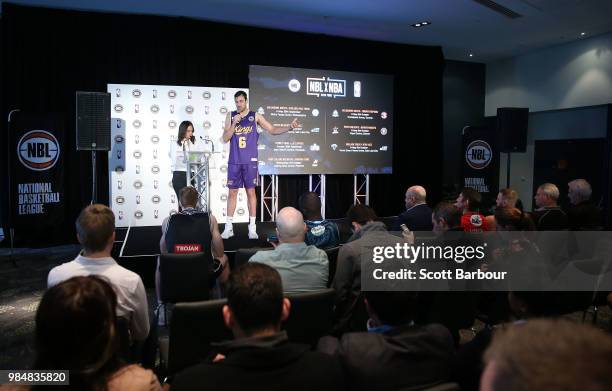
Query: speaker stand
508	171
94	182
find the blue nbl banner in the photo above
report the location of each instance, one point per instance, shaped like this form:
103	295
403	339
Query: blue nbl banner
37	170
481	162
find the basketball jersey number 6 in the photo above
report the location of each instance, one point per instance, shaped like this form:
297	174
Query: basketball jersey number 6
242	142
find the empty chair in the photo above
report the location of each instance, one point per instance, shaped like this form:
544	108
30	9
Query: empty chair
311	316
183	278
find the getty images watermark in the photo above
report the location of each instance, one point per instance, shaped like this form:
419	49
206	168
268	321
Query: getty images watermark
495	261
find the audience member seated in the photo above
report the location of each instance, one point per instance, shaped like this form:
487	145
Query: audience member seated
347	281
583	215
193	231
395	353
456	308
76	331
521	306
417	215
548	216
446	217
506	198
302	268
320	233
95	228
548	355
468	202
513	219
261	356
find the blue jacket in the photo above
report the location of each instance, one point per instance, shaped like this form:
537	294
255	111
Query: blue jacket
322	234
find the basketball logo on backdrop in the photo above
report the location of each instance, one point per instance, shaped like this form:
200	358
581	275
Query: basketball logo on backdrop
155	109
136	93
294	85
171	94
118	108
478	154
38	150
206	95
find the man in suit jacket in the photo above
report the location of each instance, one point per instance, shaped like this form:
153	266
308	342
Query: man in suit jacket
583	215
261	356
548	216
395	353
417	215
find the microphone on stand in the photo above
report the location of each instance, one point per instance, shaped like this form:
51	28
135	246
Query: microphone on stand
208	140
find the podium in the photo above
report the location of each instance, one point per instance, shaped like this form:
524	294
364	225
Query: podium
198	172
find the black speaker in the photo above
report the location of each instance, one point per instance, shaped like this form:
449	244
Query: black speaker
93	121
512	128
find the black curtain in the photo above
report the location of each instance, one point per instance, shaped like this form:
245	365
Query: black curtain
48	54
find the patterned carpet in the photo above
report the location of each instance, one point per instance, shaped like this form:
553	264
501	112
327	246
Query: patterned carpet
21	289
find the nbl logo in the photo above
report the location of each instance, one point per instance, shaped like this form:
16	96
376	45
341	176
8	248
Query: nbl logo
136	93
118	108
38	150
294	85
478	154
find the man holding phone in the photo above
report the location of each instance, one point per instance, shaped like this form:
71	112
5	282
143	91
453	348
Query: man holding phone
302	268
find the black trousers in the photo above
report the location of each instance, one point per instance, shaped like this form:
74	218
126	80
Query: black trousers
179	180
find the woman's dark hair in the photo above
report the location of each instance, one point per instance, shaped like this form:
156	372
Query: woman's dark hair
76	331
182	131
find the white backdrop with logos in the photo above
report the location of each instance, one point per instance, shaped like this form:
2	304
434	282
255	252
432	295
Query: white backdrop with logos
144	124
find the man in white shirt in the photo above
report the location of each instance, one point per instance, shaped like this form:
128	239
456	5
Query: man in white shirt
95	228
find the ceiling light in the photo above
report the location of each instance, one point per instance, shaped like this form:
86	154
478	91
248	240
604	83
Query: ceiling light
582	34
471	54
421	24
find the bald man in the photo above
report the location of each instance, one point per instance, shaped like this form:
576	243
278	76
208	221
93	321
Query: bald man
417	215
302	268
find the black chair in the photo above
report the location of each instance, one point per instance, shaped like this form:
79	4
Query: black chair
194	327
389	221
244	254
311	316
344	228
183	278
332	257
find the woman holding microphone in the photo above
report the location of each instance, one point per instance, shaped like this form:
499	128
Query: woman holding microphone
185	142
